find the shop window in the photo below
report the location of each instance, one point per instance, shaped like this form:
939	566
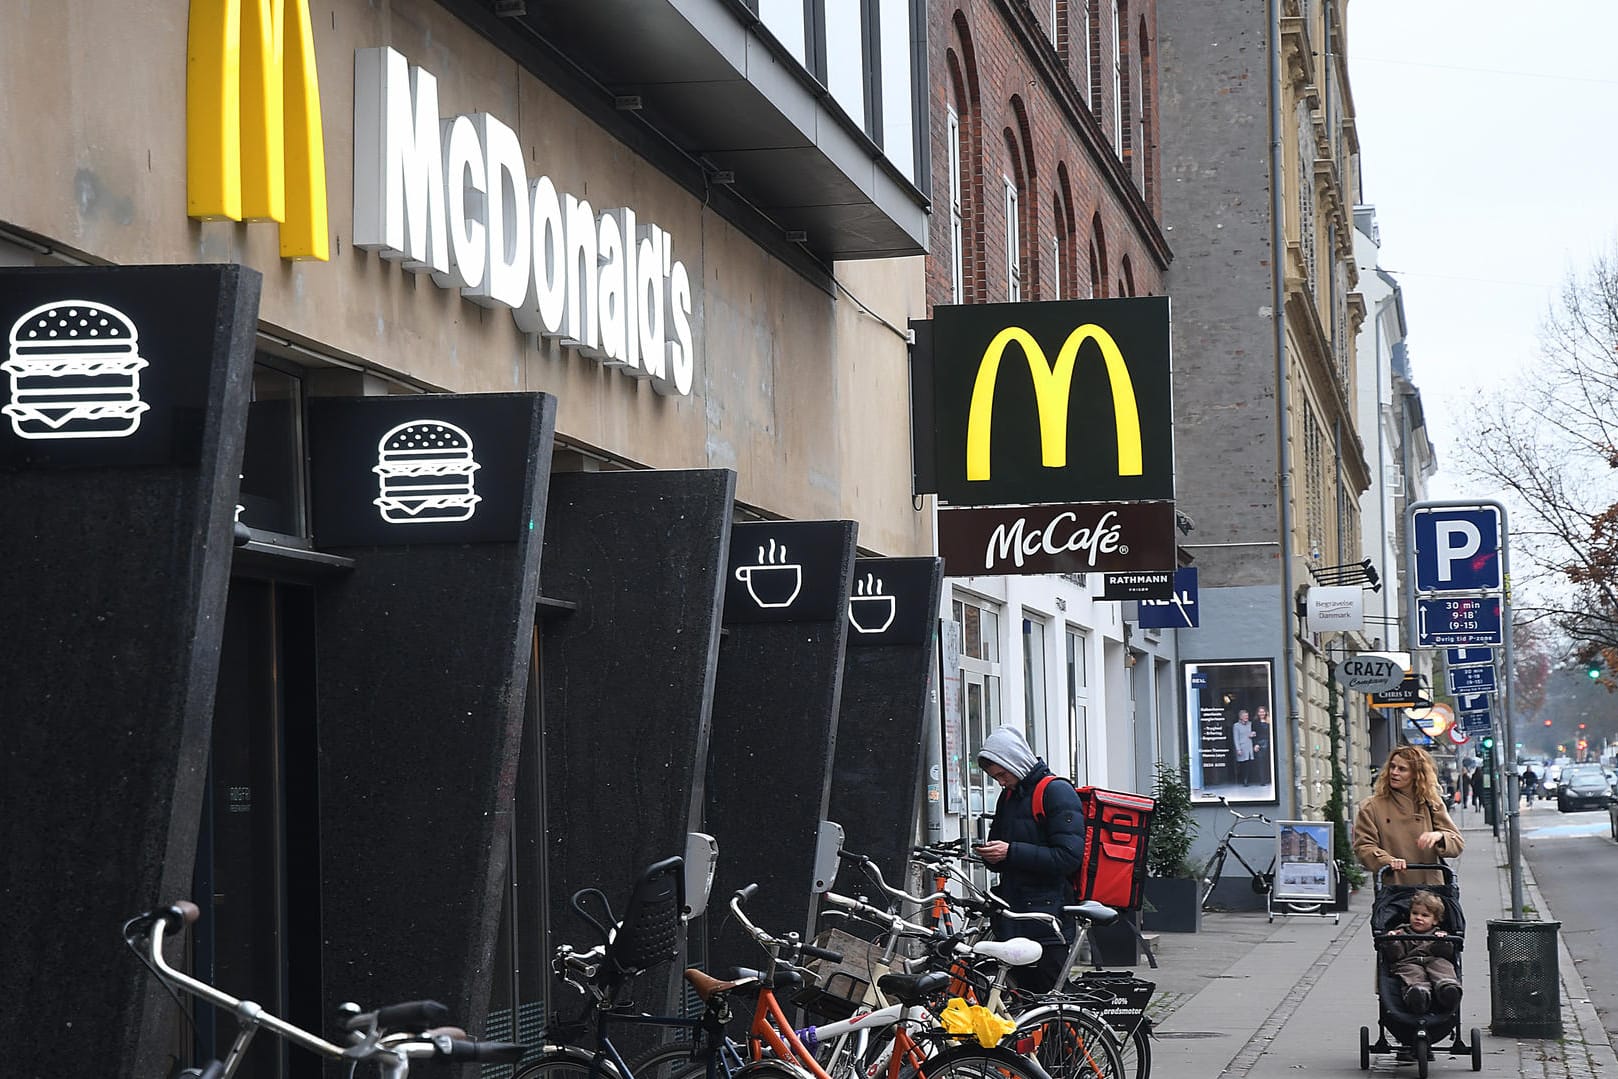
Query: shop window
273	489
980	695
1033	684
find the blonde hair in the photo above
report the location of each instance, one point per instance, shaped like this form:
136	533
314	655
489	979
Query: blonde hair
1423	776
1428	902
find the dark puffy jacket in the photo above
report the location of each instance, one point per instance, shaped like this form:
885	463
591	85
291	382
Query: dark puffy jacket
1043	855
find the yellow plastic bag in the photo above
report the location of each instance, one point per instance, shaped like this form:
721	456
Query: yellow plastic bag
963	1018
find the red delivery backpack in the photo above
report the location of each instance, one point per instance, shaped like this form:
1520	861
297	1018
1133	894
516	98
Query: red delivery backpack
1116	826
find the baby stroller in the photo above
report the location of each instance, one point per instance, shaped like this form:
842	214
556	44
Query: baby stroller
1415	1034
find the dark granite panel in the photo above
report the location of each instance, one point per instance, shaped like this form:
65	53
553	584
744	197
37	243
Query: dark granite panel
769	766
628	676
423	654
113	601
877	777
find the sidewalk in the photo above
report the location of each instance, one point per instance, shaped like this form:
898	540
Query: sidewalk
1246	997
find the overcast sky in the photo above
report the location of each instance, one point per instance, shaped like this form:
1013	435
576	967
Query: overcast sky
1489	147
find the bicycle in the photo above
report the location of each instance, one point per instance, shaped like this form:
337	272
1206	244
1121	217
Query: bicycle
1211	872
648	934
389	1038
1072	1034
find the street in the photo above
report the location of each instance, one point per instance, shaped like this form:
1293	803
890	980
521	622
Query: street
1575	862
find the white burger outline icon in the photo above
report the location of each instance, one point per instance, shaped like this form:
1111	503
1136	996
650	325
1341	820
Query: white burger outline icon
75	372
425	472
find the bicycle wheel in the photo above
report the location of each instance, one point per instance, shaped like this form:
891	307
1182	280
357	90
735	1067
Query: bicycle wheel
685	1059
976	1062
770	1069
1071	1043
566	1062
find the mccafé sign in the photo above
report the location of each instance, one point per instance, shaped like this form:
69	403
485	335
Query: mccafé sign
1061	401
451	197
1077	538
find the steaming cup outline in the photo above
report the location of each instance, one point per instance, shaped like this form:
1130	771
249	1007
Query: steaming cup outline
772	584
871	614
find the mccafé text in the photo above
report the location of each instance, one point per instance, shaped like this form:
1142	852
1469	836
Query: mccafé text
1063	534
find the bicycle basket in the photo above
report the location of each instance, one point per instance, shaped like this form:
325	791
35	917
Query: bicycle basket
651	931
1129	996
835	999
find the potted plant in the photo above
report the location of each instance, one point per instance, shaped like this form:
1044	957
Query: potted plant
1172	901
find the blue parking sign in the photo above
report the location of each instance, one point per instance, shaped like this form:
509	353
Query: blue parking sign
1457	549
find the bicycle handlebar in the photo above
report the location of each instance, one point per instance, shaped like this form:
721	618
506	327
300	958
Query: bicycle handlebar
790	945
881	882
1225	801
374	1038
892	922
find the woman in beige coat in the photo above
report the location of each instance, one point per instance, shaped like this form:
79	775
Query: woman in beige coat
1405	821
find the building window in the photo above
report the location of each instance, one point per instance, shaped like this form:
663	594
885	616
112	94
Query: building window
1117	81
1056	266
1078	703
957	238
1306	195
1314	482
1051	26
1033	684
1013	256
979	693
272	488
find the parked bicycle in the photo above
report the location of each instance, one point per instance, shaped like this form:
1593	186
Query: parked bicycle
1261	880
388	1038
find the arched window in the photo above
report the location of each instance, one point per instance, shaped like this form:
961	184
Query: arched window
1098	258
957	207
1118	59
1012	185
1144	118
964	157
1063	276
1126	278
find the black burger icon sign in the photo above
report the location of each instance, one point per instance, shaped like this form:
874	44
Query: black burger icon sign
75	372
425	472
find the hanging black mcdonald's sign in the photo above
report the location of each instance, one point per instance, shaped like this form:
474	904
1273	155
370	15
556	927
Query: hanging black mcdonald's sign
1061	401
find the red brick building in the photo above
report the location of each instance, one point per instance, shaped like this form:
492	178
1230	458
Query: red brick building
1044	151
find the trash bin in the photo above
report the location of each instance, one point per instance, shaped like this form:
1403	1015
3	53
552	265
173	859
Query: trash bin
1525	984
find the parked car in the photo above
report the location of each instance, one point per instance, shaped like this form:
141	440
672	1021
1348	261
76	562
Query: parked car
1582	786
1612	818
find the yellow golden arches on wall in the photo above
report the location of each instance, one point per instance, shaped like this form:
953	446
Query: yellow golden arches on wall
255	147
1052	388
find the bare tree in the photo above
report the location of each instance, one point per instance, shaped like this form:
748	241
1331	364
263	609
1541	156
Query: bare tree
1549	440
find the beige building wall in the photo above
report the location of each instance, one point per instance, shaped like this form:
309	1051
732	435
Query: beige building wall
800	391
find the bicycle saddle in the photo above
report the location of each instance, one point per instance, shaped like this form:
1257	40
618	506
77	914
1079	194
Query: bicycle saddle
706	985
913	988
1091	911
1016	952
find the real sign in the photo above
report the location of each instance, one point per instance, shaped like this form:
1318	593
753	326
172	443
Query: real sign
1471	679
1370	672
1081	538
1446	623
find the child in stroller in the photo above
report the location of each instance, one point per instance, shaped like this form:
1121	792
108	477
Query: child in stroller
1419	933
1425	968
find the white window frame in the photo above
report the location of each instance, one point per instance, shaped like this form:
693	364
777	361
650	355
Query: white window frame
1056	268
1036	680
1083	51
957	231
1076	660
1013	255
1053	22
1117	83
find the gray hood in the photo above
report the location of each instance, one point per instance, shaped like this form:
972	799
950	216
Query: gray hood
1010	750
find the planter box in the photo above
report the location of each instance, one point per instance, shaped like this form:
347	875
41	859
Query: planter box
1116	945
1172	905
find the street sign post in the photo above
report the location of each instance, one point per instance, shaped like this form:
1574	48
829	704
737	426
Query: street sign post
1441	623
1457	549
1459	597
1476	722
1468	657
1470	679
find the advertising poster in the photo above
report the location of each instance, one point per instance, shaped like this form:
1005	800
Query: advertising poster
1303	861
1230	728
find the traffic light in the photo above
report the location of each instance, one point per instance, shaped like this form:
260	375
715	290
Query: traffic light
1488	741
1547	723
1594	671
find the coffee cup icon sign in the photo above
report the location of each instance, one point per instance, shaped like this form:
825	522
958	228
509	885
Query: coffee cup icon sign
772	581
870	610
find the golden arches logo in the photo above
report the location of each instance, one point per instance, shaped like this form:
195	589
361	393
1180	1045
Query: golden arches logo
1052	387
255	149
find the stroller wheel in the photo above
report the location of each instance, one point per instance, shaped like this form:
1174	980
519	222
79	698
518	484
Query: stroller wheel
1422	1054
1477	1050
1365	1049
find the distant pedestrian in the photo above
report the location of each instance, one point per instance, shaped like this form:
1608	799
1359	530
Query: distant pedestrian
1477	786
1466	786
1530	783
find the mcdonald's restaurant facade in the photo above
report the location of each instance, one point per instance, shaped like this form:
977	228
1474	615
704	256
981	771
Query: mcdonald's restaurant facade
451	456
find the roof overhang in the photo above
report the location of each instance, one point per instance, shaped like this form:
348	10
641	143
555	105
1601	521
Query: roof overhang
712	82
